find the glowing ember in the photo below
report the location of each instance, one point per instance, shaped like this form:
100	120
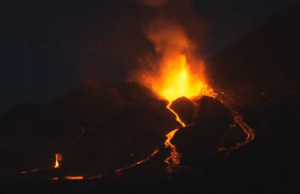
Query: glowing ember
58	157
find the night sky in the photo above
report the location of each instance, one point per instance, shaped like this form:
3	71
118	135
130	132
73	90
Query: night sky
48	48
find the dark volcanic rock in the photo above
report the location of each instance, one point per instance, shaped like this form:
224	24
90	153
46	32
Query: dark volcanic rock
212	113
204	137
97	129
130	136
19	145
20	116
262	69
234	136
184	108
262	72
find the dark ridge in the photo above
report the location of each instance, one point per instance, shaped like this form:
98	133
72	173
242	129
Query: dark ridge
268	57
260	76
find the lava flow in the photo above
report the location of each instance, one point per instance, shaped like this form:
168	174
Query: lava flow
173	80
73	177
139	162
175	156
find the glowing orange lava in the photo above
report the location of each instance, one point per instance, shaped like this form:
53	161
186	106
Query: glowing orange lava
58	158
73	177
175	79
139	162
175	156
69	178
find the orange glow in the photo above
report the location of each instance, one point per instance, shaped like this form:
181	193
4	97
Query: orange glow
58	158
69	178
73	177
175	79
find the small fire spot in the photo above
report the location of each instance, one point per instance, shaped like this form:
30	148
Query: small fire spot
58	158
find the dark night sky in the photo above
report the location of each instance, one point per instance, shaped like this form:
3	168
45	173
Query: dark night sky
50	47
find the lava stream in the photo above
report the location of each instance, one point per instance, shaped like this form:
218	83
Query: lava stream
73	177
139	162
238	118
69	178
175	156
58	158
247	130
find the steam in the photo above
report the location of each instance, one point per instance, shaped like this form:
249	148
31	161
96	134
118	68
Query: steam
155	3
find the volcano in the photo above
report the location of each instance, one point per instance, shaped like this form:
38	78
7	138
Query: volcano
101	130
107	135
